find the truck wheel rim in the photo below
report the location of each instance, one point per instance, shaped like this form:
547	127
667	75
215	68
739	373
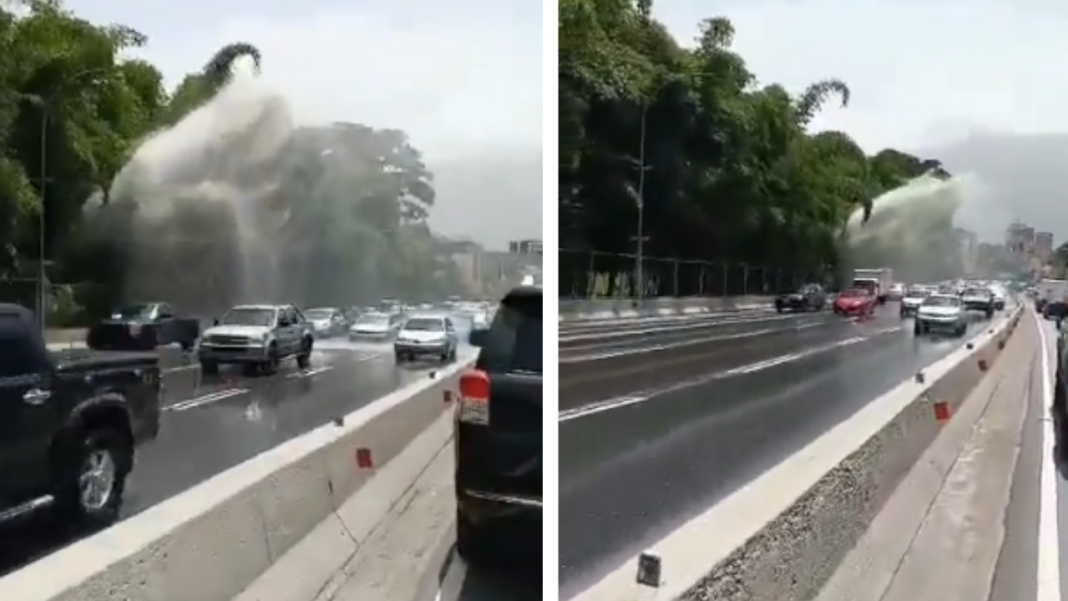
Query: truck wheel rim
97	480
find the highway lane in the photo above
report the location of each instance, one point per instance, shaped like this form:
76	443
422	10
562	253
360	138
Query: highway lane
636	467
622	366
636	338
213	423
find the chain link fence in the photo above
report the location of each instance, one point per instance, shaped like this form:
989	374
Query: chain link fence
586	274
73	305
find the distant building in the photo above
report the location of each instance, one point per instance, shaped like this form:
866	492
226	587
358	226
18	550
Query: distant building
1044	246
1020	238
525	247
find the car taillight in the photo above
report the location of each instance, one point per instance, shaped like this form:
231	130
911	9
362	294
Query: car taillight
474	398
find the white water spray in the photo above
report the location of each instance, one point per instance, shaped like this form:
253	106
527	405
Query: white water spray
218	166
911	228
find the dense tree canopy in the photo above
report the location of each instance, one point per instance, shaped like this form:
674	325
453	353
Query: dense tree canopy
338	212
732	173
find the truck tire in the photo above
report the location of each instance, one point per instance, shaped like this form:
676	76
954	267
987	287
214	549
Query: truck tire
472	543
90	478
917	328
304	357
209	368
270	366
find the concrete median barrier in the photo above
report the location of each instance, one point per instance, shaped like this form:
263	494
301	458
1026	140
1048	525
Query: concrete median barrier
210	542
784	534
593	309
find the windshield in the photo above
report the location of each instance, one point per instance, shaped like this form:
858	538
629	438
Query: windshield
248	316
942	301
317	314
424	325
853	293
976	292
866	284
916	294
134	312
373	320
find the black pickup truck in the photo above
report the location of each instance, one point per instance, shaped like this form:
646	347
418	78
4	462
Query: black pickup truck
70	422
810	297
143	326
498	435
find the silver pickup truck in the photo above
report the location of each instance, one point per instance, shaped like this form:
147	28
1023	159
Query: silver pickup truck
258	337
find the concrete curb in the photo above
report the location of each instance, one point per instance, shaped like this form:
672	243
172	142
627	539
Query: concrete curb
210	542
954	497
318	567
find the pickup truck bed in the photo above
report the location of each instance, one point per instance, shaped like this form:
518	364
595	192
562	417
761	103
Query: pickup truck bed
73	359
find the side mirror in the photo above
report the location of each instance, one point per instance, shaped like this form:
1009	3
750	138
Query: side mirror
477	337
215	321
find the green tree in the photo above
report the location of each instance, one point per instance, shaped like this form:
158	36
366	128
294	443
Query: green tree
731	171
343	199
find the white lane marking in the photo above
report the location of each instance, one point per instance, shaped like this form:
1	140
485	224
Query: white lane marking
171	370
684	343
1049	557
312	371
206	399
370	356
641	397
706	324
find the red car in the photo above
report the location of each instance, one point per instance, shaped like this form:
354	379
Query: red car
855	302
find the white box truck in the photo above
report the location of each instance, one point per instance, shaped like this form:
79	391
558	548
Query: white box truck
876	281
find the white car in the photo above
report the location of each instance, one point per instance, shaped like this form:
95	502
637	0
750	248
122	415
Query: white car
432	336
374	326
910	303
326	321
999	293
896	291
941	312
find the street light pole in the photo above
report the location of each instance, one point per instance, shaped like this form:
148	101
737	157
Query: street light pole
642	168
640	271
45	104
41	319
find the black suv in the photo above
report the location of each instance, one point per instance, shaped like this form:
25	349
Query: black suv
498	435
810	297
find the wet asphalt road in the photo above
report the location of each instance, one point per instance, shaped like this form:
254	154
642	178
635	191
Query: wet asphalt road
656	432
213	423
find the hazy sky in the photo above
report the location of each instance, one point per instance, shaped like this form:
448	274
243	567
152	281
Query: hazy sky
462	78
940	74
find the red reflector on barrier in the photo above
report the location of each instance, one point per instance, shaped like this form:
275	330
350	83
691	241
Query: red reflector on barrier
447	396
983	366
941	411
363	459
